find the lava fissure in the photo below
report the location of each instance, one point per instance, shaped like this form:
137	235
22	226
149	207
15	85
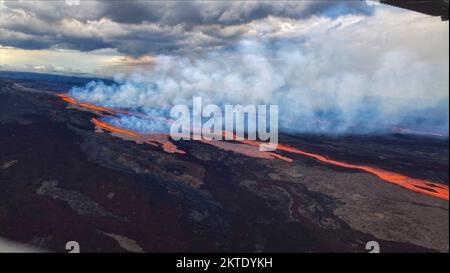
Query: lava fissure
421	186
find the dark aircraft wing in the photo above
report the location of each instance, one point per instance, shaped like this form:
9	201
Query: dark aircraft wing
430	7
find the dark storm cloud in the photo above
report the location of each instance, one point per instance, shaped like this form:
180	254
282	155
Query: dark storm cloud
26	43
84	44
136	44
188	12
225	13
145	27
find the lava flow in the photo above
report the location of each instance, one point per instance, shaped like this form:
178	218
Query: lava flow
110	128
422	186
152	139
72	101
417	185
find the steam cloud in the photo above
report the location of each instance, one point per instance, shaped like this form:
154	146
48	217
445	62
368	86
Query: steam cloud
322	82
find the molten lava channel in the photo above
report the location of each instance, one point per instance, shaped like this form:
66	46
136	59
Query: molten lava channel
152	139
421	186
72	101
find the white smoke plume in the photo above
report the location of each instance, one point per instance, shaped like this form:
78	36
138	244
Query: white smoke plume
348	75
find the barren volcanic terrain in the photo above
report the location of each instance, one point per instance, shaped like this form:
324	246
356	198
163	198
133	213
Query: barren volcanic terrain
65	177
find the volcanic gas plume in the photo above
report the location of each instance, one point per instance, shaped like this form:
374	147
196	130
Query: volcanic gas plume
251	148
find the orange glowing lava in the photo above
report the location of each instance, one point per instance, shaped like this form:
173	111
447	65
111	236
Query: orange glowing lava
417	185
422	186
110	128
152	139
70	100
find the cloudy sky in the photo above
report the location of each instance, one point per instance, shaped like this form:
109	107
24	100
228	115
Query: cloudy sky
106	37
357	65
